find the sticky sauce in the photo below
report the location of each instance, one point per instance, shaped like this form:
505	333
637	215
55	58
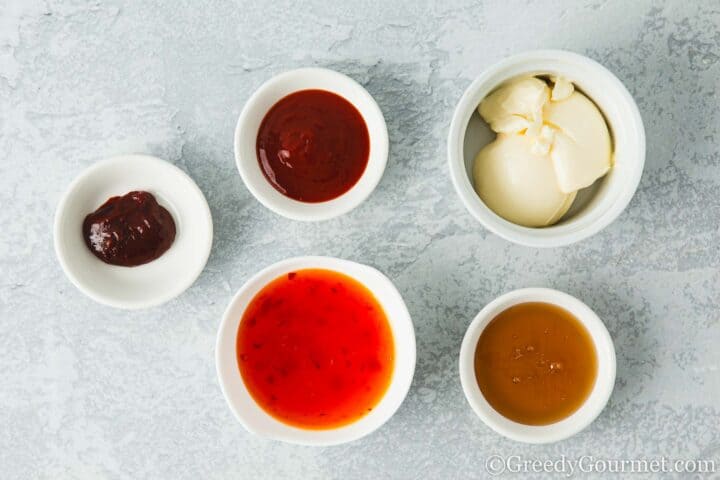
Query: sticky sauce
535	363
315	349
313	146
129	230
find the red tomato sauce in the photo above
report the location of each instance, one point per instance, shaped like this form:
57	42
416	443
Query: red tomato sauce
313	146
315	349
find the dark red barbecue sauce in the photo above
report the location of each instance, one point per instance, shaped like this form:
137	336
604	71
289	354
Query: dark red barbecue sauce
130	230
313	146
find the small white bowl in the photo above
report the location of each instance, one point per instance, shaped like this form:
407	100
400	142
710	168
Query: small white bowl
582	417
253	417
155	282
596	206
268	95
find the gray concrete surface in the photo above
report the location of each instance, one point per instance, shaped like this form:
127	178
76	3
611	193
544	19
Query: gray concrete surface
91	392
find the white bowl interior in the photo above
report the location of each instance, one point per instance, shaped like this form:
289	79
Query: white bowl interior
253	417
268	95
596	206
582	417
154	282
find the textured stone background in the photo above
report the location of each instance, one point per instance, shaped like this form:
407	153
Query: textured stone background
91	392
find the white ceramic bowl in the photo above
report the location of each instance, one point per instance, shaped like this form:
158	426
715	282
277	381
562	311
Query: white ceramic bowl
259	422
582	417
268	95
152	283
596	206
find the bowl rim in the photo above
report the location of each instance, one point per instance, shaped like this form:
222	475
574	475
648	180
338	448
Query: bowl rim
558	235
230	378
312	78
585	414
59	227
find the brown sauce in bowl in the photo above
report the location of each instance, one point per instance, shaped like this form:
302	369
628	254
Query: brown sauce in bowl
535	363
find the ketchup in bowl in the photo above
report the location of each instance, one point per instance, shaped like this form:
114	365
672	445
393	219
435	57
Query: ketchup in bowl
315	349
313	146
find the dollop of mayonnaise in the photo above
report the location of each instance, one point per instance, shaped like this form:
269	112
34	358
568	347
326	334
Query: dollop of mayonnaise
551	143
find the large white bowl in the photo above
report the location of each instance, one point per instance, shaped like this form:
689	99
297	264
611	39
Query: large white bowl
259	422
155	282
596	401
268	95
596	206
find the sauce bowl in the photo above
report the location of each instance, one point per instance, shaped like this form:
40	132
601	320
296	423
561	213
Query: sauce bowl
596	206
268	95
583	416
145	285
256	420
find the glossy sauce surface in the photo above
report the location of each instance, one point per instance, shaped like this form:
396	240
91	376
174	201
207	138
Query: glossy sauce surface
315	349
535	363
129	230
313	146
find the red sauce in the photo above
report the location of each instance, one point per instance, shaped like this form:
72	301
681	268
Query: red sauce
313	146
130	230
315	349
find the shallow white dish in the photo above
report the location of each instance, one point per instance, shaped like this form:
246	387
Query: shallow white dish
270	93
596	401
152	283
596	206
259	422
